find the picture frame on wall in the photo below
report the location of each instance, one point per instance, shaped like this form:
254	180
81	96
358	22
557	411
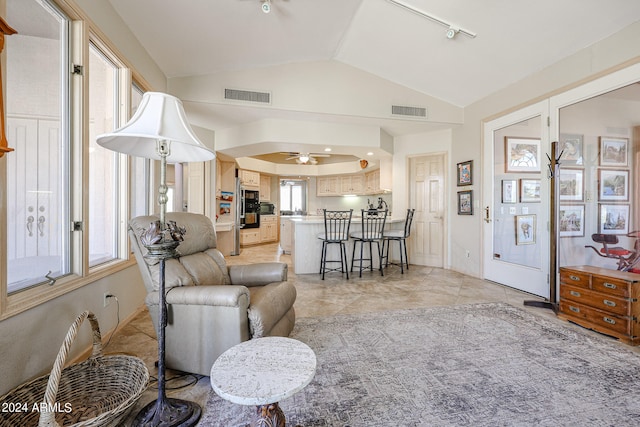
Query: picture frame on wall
614	219
571	184
529	190
614	151
571	221
525	230
613	185
465	202
509	191
465	173
522	154
571	146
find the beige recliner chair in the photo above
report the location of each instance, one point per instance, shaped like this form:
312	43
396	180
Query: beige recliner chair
211	306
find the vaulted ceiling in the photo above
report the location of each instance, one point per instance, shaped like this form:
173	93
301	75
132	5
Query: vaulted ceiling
513	39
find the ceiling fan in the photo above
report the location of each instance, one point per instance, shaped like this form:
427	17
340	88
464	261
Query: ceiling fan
305	158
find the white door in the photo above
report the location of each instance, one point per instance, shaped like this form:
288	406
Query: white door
515	207
426	243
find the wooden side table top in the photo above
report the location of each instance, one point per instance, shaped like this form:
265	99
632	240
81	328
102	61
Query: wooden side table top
263	370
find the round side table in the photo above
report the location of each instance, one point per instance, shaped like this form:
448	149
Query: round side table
262	372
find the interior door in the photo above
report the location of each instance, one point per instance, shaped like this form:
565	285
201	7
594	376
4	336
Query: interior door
516	200
426	244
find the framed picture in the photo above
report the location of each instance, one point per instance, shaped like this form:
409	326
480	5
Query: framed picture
614	151
525	229
509	191
571	147
529	191
571	184
522	154
465	202
614	219
571	222
613	184
465	170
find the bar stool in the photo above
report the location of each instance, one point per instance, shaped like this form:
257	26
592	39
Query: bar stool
399	236
336	231
371	232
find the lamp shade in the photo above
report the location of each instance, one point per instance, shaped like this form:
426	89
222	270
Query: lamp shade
159	117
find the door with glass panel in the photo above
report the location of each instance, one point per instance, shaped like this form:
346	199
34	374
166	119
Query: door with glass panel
515	209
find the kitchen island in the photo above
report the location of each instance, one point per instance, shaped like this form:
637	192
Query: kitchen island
306	248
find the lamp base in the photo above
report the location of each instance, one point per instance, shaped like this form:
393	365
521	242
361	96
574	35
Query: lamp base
169	413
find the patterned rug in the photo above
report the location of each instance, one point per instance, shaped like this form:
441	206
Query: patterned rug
472	365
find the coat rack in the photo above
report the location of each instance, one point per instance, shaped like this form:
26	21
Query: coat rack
554	170
5	29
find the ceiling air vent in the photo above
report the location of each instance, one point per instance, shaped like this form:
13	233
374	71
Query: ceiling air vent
247	96
406	111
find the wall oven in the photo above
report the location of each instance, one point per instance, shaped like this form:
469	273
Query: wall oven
250	214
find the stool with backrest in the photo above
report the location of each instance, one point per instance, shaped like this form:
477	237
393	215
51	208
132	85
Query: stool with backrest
336	231
399	236
371	231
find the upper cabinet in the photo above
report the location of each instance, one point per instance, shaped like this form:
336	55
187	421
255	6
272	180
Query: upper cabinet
265	188
249	178
357	184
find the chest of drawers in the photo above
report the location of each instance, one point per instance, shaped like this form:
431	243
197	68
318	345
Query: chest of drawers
601	299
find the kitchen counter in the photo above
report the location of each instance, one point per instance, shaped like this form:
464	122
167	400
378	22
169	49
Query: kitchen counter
306	248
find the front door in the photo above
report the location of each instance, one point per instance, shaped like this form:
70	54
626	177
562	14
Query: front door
515	207
426	243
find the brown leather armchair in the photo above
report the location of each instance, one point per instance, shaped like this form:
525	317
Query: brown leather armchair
211	306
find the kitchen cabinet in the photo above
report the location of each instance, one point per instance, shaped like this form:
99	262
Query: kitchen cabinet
265	188
327	186
249	178
372	182
249	237
601	299
268	228
351	184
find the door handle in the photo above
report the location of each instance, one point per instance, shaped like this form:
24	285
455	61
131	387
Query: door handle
30	220
487	217
41	221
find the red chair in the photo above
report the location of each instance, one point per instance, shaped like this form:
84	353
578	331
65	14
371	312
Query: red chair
626	258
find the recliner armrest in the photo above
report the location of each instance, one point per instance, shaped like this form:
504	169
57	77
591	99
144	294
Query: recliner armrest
258	274
222	295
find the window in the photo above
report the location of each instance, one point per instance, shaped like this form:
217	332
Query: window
293	195
37	99
140	169
68	200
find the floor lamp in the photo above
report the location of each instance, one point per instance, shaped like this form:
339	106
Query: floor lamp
159	131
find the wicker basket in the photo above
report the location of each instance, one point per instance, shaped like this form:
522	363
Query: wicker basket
97	392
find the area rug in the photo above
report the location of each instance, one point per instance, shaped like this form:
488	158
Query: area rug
471	365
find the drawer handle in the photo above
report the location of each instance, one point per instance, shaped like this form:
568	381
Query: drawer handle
609	285
609	303
574	278
574	309
609	320
575	294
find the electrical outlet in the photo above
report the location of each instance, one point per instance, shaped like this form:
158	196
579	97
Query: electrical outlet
467	254
106	299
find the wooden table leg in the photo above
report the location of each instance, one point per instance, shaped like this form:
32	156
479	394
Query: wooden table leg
269	415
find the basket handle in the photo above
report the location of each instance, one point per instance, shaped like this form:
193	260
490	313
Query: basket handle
47	418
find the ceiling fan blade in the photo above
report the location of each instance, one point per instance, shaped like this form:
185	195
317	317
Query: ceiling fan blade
291	158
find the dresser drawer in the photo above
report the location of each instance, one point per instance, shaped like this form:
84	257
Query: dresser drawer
595	319
575	278
600	301
611	286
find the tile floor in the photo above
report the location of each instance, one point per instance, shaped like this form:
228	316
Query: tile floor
417	287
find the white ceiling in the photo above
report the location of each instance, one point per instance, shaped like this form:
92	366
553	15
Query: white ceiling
514	39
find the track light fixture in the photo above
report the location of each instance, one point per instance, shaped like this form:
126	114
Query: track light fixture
266	6
452	30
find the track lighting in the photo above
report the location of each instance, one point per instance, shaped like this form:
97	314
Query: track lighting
266	6
451	31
